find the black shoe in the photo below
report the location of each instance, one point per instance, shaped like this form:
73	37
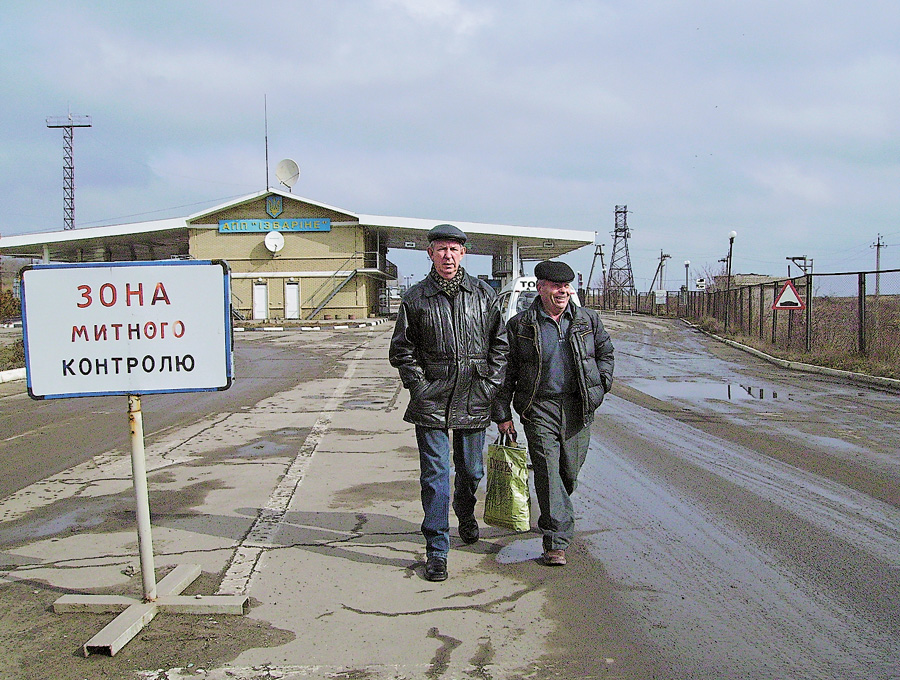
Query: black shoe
436	569
468	531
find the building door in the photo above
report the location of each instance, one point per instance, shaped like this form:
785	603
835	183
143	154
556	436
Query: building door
260	301
292	300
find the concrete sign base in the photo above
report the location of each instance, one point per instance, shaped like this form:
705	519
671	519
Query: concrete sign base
138	614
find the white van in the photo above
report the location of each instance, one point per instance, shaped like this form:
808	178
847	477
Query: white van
518	295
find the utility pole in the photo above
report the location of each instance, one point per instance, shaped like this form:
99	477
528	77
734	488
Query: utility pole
660	272
731	236
68	123
598	252
804	263
878	245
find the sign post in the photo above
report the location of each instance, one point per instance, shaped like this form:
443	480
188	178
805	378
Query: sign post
141	496
131	328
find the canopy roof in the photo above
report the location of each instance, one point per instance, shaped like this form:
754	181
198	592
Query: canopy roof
166	239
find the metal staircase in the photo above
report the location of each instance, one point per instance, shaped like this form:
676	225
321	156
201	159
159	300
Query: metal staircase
337	285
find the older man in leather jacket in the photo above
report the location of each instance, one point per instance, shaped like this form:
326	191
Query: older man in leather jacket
449	345
560	368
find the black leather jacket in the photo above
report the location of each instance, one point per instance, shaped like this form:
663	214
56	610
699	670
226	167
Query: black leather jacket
451	354
594	362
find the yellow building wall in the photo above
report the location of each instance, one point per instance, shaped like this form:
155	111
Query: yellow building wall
311	258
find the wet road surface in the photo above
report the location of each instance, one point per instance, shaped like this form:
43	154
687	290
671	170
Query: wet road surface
736	520
748	514
43	437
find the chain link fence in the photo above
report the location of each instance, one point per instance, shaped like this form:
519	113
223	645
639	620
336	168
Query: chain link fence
849	320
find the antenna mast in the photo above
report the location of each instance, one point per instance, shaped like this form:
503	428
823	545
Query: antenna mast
620	279
266	119
67	123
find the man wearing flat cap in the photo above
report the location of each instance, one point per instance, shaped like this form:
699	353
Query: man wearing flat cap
560	366
449	345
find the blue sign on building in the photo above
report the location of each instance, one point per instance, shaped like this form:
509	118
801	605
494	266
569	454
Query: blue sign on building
293	224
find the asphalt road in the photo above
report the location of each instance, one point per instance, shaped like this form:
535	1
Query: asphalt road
749	514
39	438
736	520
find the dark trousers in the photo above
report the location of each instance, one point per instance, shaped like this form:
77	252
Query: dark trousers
557	444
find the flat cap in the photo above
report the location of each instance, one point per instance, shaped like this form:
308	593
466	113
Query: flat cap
447	232
551	270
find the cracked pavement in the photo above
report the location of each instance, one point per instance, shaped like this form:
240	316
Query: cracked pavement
308	502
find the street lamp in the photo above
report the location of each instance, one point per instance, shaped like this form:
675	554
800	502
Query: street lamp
687	263
731	237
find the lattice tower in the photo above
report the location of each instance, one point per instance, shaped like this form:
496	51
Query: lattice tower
620	278
67	123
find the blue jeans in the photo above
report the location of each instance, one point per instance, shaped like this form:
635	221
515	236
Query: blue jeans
434	463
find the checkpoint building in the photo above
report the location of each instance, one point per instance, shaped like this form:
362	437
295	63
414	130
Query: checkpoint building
292	258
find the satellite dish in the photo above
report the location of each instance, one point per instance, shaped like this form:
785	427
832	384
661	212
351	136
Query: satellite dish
287	172
274	241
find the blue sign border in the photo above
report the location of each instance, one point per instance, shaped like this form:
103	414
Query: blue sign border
229	329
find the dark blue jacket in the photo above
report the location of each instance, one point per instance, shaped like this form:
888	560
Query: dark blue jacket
594	362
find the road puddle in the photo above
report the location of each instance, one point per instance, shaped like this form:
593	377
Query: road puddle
703	390
521	551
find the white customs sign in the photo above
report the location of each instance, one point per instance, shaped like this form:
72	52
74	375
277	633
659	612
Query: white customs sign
127	328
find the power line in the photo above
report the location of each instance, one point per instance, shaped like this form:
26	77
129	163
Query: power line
212	201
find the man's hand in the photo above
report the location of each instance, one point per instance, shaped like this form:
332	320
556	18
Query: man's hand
508	429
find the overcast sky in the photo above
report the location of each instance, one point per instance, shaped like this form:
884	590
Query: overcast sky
779	120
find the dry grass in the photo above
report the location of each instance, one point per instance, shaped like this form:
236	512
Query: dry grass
12	355
835	337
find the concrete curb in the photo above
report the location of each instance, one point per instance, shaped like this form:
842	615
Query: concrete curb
891	384
13	374
320	325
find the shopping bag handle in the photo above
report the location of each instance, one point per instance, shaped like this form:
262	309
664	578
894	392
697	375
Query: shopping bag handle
507	439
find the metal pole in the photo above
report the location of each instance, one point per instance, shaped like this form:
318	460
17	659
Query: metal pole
762	301
141	496
809	304
731	237
861	310
774	313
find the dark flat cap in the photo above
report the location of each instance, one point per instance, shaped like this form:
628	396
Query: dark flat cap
447	232
550	270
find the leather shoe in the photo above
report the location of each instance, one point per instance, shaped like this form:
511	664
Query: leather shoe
555	558
468	531
436	569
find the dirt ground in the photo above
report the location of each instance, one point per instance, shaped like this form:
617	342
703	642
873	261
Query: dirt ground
43	645
40	644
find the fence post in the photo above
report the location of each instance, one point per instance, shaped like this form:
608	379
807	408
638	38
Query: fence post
749	311
774	313
762	302
809	301
861	309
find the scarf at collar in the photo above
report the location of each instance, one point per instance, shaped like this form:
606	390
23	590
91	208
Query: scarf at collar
449	287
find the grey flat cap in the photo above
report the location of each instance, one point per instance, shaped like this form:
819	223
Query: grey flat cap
552	270
447	232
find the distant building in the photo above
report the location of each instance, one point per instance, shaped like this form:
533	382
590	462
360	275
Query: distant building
294	258
720	282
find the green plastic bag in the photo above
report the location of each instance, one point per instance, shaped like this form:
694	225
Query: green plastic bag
508	503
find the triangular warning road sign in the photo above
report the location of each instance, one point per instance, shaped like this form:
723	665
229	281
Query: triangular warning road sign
788	298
